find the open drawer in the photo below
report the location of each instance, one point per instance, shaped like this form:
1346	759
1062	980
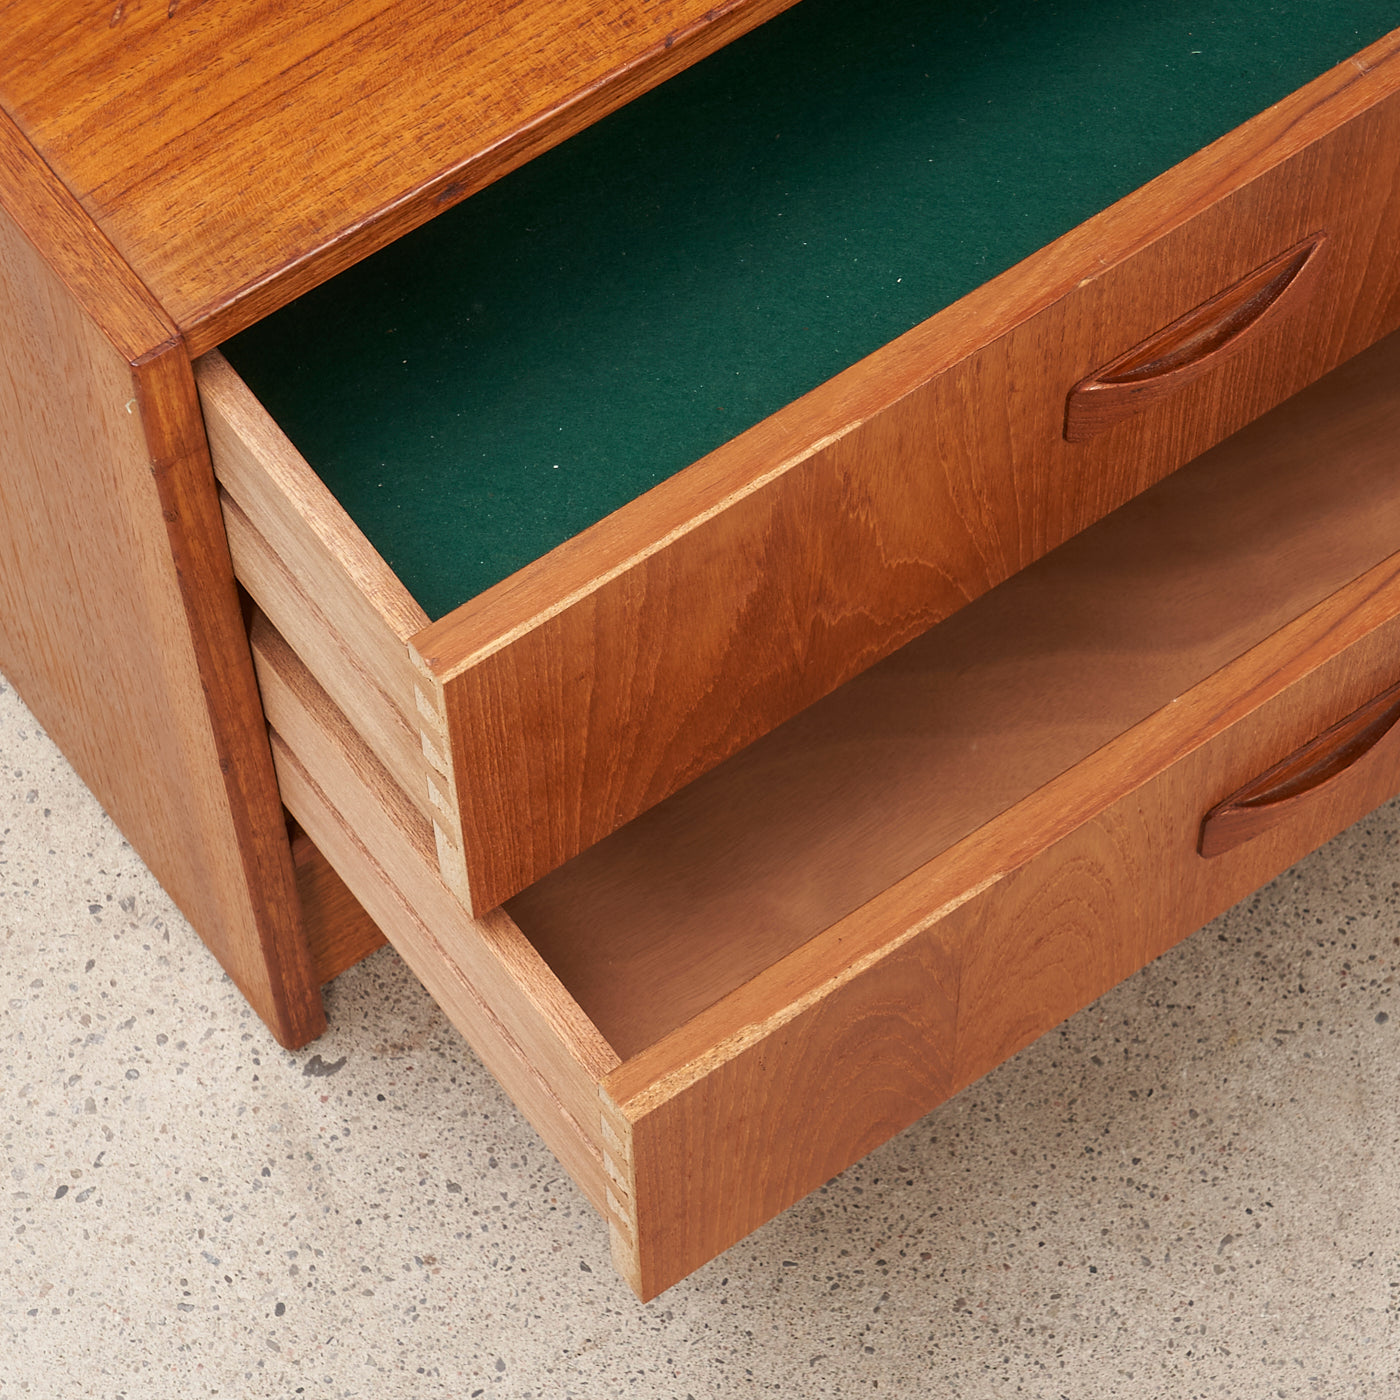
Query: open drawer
741	992
531	720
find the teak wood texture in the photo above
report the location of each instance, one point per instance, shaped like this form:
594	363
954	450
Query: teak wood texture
486	976
763	1096
169	173
1165	363
1305	778
239	154
594	683
339	933
119	622
847	798
1212	627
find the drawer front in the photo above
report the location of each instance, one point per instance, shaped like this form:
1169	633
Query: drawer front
583	690
856	1035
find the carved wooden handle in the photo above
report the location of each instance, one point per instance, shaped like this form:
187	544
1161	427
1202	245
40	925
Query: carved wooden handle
1273	796
1174	356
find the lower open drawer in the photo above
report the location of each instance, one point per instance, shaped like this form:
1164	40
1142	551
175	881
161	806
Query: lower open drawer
743	991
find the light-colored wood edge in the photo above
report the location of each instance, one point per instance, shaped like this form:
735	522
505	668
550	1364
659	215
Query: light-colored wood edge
598	556
327	590
273	484
166	584
330	653
332	597
929	895
490	952
670	554
621	1193
784	838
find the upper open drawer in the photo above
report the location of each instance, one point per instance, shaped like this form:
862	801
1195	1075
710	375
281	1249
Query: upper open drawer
534	718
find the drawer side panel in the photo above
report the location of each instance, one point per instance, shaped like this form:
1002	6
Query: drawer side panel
575	1143
335	776
315	576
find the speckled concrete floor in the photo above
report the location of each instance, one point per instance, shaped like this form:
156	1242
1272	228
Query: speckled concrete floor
1190	1189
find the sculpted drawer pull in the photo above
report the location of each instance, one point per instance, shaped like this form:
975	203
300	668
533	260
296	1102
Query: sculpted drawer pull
1174	356
1321	762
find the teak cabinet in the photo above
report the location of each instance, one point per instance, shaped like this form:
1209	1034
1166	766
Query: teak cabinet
745	827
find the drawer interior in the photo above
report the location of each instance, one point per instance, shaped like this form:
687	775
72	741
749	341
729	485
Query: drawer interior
525	364
697	896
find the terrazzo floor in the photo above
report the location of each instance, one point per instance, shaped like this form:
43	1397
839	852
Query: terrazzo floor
1190	1189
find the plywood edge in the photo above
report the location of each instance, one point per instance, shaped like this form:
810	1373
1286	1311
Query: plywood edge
511	974
758	460
490	1034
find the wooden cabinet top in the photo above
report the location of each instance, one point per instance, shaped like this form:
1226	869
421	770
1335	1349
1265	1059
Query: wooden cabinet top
237	154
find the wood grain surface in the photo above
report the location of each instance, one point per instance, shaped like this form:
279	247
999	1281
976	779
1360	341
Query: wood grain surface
238	155
121	626
1315	774
1176	355
536	1085
315	576
1214	625
338	931
384	841
693	898
733	1116
589	686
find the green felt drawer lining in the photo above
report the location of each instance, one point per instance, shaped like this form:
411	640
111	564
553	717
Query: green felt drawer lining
530	361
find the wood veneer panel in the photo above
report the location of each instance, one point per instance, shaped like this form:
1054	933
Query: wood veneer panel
121	624
509	374
1130	882
240	154
1014	929
631	659
782	840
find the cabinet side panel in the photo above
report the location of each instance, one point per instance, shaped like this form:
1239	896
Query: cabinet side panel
118	618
